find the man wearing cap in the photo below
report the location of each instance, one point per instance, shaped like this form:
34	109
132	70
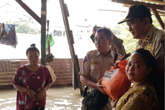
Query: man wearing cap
117	44
149	37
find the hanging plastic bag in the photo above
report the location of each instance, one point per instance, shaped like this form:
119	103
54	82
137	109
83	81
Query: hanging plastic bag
115	81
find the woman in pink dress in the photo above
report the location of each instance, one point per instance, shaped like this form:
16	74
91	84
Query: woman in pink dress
31	81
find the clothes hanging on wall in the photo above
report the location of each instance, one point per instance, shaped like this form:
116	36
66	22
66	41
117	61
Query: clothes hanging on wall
8	34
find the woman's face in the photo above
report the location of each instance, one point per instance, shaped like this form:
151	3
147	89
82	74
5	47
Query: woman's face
33	57
102	43
136	69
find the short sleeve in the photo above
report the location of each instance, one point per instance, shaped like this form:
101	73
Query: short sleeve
18	78
158	45
159	51
86	66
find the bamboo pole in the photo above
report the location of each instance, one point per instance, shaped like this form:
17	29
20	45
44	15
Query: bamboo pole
43	30
28	10
158	18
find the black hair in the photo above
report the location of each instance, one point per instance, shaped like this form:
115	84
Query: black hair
150	62
95	28
106	31
149	59
32	48
155	78
49	58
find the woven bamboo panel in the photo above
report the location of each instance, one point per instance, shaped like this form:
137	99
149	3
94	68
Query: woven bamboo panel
62	68
7	71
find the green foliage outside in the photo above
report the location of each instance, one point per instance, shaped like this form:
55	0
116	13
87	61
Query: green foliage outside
49	38
28	25
25	28
121	31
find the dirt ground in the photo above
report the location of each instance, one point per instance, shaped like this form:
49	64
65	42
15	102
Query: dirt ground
58	98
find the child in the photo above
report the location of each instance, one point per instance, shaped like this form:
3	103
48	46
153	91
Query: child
49	65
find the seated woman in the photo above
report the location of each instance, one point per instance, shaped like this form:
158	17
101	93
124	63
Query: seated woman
141	71
32	81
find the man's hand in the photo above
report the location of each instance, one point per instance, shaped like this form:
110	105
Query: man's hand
100	88
83	80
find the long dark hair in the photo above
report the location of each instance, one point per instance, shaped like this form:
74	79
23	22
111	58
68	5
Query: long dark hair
154	77
150	62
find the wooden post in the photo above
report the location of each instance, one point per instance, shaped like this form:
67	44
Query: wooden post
75	64
158	18
48	39
43	30
41	21
28	10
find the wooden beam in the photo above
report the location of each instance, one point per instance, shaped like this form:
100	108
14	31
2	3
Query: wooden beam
75	63
28	10
43	30
158	18
131	2
153	6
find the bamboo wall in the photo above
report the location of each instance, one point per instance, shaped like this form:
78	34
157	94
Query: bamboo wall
62	68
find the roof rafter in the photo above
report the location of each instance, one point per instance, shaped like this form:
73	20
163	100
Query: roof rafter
154	5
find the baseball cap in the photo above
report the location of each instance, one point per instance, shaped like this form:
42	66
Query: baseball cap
136	11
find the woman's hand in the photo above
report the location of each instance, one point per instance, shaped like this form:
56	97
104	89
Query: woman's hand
31	93
113	103
41	94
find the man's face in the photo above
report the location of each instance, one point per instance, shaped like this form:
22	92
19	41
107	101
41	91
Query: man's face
102	42
137	28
